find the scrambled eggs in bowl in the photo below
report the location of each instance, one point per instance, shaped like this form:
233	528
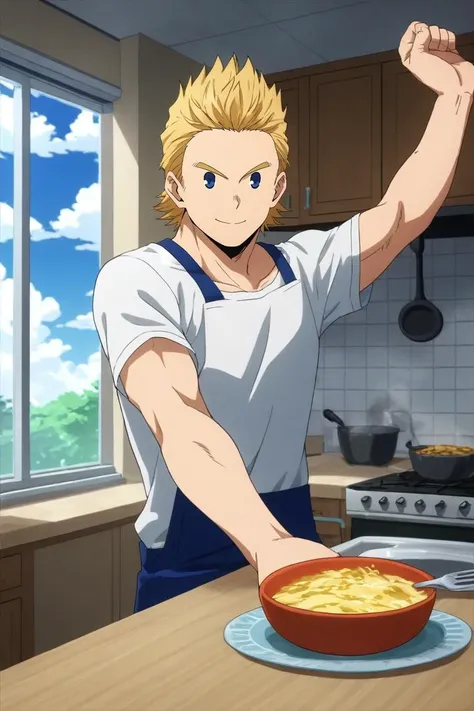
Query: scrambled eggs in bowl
350	591
347	606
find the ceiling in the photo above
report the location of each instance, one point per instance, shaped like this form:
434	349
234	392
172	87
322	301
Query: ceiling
275	34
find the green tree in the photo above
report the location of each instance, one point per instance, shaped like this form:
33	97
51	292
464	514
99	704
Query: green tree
63	432
6	436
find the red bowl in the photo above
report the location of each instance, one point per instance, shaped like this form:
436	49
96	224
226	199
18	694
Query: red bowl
348	635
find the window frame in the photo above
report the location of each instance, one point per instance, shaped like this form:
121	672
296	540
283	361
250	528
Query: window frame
24	484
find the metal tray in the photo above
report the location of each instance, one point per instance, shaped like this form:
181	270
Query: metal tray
434	557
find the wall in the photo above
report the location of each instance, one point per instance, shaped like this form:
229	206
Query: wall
370	373
150	78
55	34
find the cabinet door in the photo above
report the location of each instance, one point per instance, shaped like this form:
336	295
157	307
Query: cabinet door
74	589
344	142
292	96
10	633
407	106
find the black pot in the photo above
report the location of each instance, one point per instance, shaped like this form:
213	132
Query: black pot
436	467
372	445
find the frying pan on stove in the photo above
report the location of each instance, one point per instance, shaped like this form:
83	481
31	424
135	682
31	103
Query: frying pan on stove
436	467
420	320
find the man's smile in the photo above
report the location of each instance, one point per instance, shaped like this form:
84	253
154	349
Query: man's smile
231	223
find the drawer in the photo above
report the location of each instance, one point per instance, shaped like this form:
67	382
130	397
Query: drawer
10	572
326	507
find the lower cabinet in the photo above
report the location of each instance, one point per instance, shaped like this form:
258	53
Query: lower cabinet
16	608
74	589
10	633
63	591
331	521
57	593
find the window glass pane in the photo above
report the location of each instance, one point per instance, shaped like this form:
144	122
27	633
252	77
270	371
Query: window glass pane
65	240
7	89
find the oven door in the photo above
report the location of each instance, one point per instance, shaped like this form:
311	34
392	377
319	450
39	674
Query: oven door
409	529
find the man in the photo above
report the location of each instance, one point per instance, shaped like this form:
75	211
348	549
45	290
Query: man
213	338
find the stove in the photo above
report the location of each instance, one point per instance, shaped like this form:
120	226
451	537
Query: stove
405	504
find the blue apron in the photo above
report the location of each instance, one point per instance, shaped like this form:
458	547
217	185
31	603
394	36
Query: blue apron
196	550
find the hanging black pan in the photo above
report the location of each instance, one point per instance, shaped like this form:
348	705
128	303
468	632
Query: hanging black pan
420	320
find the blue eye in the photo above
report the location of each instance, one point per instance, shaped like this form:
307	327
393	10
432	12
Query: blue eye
255	179
209	179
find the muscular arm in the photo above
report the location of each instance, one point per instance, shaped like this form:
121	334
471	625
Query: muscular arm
421	185
417	191
161	381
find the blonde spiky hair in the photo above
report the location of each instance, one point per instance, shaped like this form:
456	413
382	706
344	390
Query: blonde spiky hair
226	98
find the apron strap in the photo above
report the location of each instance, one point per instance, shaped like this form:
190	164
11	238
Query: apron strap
207	287
281	262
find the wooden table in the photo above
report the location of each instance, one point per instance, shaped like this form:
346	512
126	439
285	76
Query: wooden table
173	658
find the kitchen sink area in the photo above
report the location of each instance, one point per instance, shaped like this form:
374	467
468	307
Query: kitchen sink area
435	557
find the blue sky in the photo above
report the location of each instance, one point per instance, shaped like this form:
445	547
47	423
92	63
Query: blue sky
64	257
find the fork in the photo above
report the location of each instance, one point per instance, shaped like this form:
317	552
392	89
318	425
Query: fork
457	582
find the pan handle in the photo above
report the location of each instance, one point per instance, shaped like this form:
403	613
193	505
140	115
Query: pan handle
409	444
332	417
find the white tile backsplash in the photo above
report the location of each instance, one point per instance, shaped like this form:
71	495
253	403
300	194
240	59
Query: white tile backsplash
377	357
421	401
445	378
464	310
464	287
356	357
444	401
465	401
444	288
465	332
421	378
356	335
444	356
377	335
465	356
369	371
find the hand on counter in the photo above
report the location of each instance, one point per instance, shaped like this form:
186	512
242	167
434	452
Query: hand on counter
285	551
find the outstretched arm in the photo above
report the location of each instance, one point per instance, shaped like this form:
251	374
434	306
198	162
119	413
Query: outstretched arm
421	185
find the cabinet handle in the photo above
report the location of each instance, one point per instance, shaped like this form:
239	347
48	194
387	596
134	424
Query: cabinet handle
287	202
307	198
331	519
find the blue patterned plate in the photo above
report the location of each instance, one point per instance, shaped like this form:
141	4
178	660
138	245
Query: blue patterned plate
251	635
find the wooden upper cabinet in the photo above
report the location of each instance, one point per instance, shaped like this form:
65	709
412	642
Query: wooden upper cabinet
291	96
406	109
344	143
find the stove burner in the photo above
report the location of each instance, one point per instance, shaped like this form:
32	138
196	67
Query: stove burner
411	481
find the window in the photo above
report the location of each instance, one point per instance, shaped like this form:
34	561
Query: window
55	402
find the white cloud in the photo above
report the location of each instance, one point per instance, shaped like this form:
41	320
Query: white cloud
83	135
80	221
89	293
51	372
7	221
83	322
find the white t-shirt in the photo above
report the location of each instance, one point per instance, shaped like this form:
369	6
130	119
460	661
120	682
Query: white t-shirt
256	353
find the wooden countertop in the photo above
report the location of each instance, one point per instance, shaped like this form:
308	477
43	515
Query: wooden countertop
40	522
173	657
